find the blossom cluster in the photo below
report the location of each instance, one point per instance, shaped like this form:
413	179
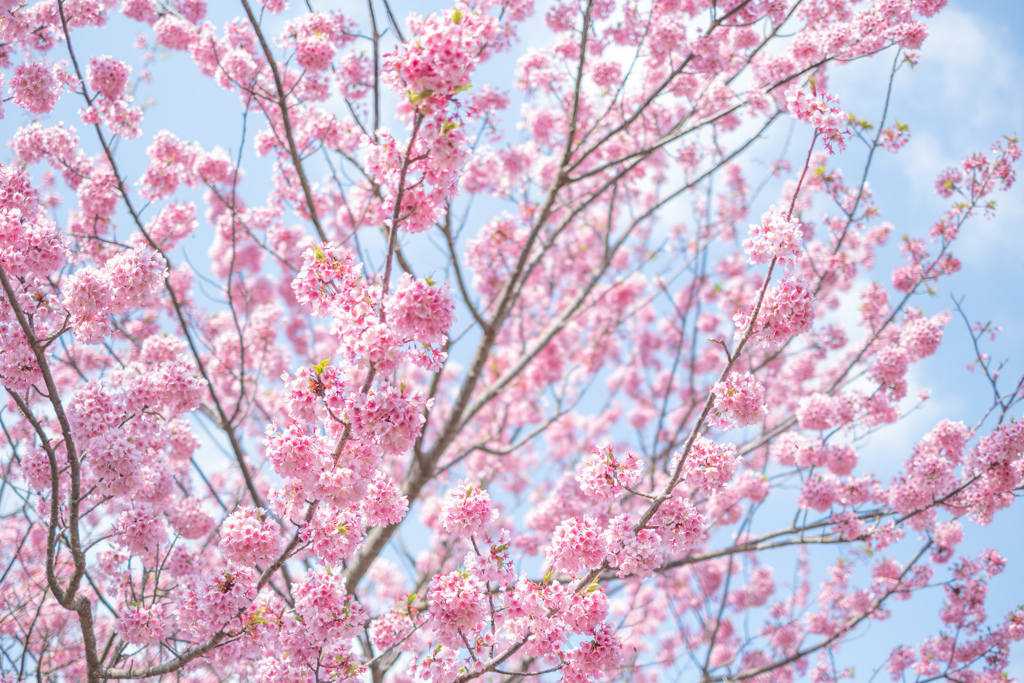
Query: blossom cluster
376	432
776	237
739	401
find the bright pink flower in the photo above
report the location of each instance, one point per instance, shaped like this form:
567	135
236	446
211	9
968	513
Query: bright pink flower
88	293
248	537
442	54
602	476
819	492
108	76
947	182
817	412
174	223
494	563
606	74
325	608
213	167
922	336
848	525
900	659
217	602
135	276
598	303
390	629
592	657
709	466
328	280
316	37
421	310
680	525
890	365
458	607
390	418
35	87
189	520
140	532
739	401
787	310
947	536
467	510
296	453
141	625
384	503
774	237
333	535
576	545
840	460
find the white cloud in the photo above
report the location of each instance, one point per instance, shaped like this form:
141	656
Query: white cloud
971	72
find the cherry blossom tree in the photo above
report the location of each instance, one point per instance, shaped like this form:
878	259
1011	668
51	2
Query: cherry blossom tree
581	393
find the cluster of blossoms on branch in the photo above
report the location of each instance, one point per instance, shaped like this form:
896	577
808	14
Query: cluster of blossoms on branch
448	401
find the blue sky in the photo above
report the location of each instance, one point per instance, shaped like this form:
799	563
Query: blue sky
964	95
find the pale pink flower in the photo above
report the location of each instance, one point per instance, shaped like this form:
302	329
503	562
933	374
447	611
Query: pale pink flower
775	237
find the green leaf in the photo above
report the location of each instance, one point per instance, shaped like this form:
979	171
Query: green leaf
416	98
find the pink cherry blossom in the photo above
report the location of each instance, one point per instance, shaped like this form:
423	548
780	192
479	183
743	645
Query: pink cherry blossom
35	87
467	510
710	466
322	360
787	310
603	476
384	502
421	310
248	538
108	76
458	607
776	237
739	401
576	544
820	111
